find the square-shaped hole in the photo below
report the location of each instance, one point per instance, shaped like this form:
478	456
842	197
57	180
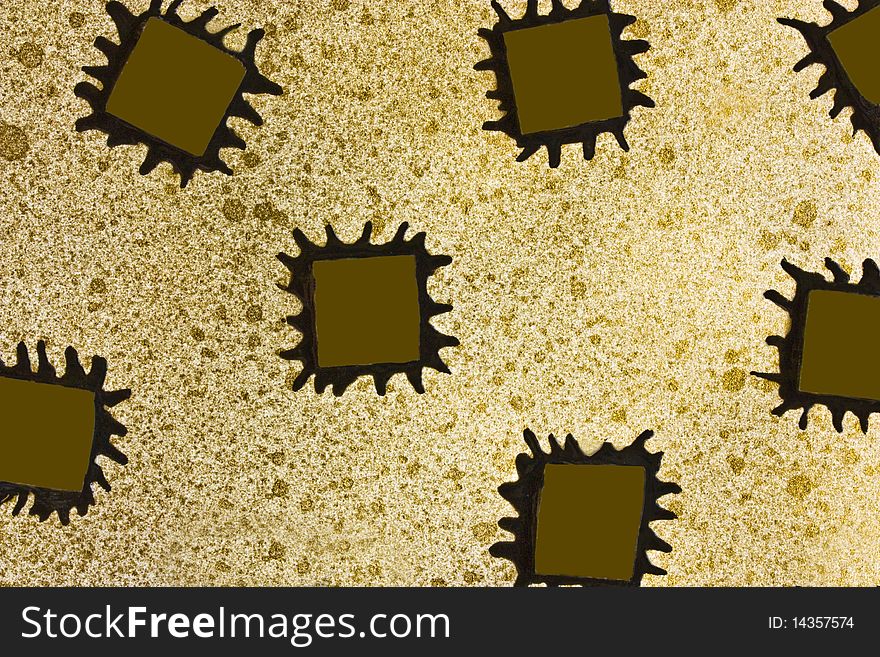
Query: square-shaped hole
367	311
856	46
841	354
175	87
588	521
46	435
564	74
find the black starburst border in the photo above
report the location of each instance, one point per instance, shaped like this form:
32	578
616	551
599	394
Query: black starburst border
866	115
791	346
119	132
46	501
524	495
302	286
587	133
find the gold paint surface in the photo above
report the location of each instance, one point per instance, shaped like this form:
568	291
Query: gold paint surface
841	355
588	521
46	434
564	74
175	87
367	311
601	298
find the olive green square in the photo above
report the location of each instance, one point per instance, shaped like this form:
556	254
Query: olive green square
367	311
564	74
858	49
588	521
841	351
46	435
175	87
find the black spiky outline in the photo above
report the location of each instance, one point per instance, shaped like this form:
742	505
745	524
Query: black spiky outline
302	286
119	132
792	345
524	495
586	133
47	501
866	115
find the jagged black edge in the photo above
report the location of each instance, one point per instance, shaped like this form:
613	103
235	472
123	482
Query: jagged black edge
302	286
119	132
866	115
47	501
791	346
586	133
524	494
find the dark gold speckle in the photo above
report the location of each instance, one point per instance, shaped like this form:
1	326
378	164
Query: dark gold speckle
736	464
734	379
234	210
268	212
250	159
799	486
280	488
805	213
726	5
13	142
470	577
484	531
254	314
29	55
276	551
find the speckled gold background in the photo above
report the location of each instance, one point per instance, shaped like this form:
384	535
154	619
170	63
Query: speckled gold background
601	298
